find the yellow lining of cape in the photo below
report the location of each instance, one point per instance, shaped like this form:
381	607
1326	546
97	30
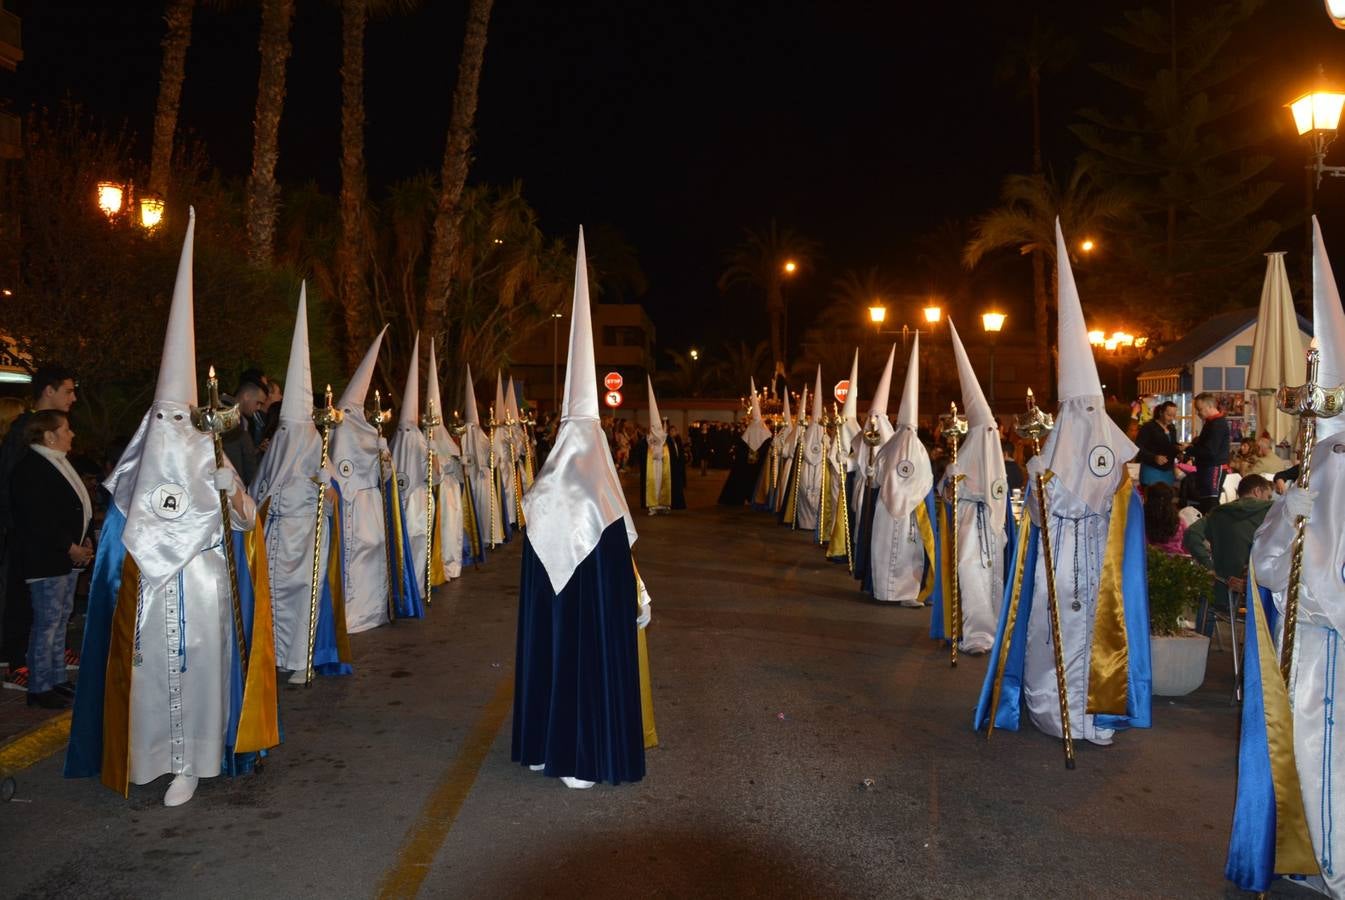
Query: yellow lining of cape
646	687
1109	666
1293	844
438	574
259	720
115	771
927	538
1011	620
660	495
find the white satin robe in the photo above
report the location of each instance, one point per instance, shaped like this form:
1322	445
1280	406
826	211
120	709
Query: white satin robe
810	479
355	453
1318	681
903	476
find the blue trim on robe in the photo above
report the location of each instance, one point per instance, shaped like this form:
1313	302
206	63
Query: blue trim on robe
469	496
84	754
326	657
577	672
934	503
407	600
1251	847
1135	596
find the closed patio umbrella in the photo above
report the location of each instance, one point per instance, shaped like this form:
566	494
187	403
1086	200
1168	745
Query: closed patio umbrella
1277	351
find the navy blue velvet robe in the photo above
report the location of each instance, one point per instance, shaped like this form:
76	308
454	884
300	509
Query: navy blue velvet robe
577	672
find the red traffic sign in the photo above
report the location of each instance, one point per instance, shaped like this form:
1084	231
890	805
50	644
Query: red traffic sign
613	382
613	399
842	390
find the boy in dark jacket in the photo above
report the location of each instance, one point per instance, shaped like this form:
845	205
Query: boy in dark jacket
1222	542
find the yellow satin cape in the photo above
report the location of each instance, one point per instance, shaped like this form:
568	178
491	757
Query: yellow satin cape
657	494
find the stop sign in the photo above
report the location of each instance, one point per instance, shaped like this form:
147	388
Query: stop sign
842	390
613	382
613	399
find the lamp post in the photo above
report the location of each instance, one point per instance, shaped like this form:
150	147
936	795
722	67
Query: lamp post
555	360
109	198
1317	117
1118	345
787	271
993	323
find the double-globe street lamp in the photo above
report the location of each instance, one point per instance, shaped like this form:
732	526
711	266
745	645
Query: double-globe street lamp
111	197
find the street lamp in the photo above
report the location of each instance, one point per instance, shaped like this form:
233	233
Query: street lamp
1317	117
110	197
695	355
877	314
1335	9
993	323
790	267
555	359
933	314
1087	245
1118	344
151	211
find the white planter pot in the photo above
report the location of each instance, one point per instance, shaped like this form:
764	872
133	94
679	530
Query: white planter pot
1178	663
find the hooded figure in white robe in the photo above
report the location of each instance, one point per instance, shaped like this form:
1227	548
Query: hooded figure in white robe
982	516
657	486
789	479
579	709
448	485
1288	803
810	463
903	540
482	519
410	460
864	483
161	688
840	473
784	442
289	479
506	471
521	441
363	473
1096	528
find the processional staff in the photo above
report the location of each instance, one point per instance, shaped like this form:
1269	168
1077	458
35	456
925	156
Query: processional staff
1309	402
1034	424
325	418
378	417
429	421
216	419
953	427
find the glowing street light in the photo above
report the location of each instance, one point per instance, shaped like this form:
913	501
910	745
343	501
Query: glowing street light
1335	9
791	267
1087	245
933	314
993	323
1317	117
151	211
1096	338
695	354
109	198
877	314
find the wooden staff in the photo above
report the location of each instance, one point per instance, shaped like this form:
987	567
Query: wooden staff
325	418
953	428
1034	424
378	417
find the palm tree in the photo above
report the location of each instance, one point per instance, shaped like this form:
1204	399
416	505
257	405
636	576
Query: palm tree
172	71
689	377
457	158
742	364
854	292
761	260
352	251
1026	222
262	190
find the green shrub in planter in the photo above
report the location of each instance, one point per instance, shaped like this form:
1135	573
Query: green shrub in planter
1177	584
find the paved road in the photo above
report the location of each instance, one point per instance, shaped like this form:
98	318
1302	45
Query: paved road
779	692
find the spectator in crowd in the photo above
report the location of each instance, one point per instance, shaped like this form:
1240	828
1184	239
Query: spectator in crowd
677	456
1158	449
1209	453
1163	528
1014	478
51	512
1221	541
53	387
240	444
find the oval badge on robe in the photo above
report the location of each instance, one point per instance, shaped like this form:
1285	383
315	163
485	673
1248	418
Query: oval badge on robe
169	500
401	482
345	468
1101	460
998	489
905	468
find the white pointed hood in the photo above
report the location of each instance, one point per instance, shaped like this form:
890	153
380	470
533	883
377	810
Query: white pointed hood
1328	326
785	438
410	450
1087	452
850	424
903	469
164	481
981	456
355	443
284	475
862	452
578	493
812	435
908	412
500	409
881	395
657	435
756	432
475	442
297	403
511	401
444	446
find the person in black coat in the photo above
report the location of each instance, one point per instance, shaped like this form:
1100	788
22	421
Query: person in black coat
1209	453
677	456
52	511
1158	448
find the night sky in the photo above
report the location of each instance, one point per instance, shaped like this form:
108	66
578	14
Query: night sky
862	125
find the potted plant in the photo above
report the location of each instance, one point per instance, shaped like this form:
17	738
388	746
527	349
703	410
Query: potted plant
1177	584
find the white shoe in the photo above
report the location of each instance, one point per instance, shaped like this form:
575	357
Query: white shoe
537	768
180	790
578	784
299	677
1101	738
